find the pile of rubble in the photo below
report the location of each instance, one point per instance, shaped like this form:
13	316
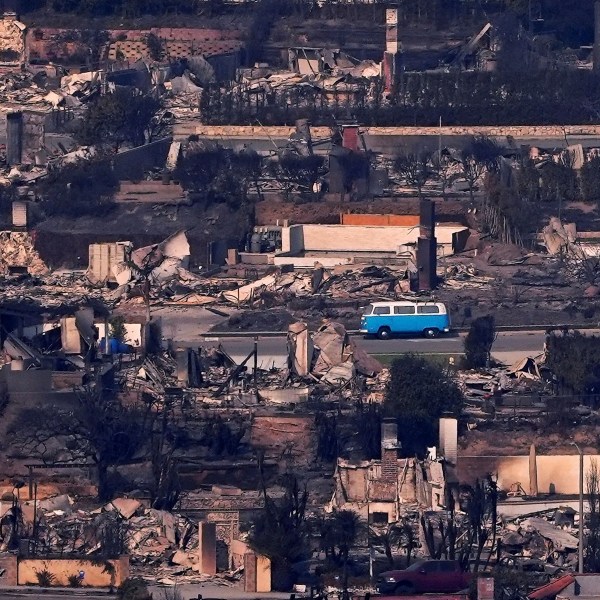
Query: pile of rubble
160	544
496	381
546	536
340	283
458	277
35	91
18	252
21	88
336	71
337	359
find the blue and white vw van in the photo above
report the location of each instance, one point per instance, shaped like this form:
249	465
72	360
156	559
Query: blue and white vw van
385	319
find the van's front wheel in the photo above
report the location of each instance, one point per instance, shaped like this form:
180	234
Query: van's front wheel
384	333
431	333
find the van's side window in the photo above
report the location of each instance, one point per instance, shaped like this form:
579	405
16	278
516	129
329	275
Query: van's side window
428	309
404	310
381	310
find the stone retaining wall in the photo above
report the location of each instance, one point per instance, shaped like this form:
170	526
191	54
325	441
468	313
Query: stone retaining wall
520	131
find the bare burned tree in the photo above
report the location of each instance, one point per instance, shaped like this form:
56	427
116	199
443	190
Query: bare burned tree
395	536
167	486
280	530
591	556
444	167
480	155
415	168
408	538
582	264
507	216
455	537
98	430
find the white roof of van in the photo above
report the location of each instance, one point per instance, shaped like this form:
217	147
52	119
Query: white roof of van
409	302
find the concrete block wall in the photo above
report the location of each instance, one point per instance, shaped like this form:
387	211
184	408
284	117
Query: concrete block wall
94	574
41	41
134	49
448	436
8	564
292	239
103	257
358	239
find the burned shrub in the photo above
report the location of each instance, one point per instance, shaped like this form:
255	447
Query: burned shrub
479	341
85	188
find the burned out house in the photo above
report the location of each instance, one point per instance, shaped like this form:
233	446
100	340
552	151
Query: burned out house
381	490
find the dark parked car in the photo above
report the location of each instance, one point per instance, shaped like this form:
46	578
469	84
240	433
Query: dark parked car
427	576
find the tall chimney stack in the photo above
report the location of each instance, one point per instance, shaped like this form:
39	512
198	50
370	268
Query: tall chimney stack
14	138
427	246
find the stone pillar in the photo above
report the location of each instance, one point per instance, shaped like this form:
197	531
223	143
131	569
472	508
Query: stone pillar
8	564
250	572
533	482
207	548
257	573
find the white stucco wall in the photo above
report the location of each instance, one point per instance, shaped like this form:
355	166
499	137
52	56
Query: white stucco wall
559	471
358	238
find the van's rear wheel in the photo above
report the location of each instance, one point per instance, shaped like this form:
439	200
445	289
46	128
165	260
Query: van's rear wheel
431	332
384	333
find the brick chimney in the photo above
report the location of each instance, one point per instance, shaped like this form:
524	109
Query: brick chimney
389	450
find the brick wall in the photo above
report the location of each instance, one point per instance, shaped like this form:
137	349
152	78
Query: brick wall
386	220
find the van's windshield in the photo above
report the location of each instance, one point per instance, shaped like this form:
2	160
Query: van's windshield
368	310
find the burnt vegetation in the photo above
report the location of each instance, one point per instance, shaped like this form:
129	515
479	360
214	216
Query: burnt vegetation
421	99
417	395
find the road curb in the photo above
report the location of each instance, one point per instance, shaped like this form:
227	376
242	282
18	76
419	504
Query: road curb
56	591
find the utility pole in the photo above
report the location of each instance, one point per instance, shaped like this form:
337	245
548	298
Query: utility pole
440	145
580	558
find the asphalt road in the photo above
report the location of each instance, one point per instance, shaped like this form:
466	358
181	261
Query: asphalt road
272	350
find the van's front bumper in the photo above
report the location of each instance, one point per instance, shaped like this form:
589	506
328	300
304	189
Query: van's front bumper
363	331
